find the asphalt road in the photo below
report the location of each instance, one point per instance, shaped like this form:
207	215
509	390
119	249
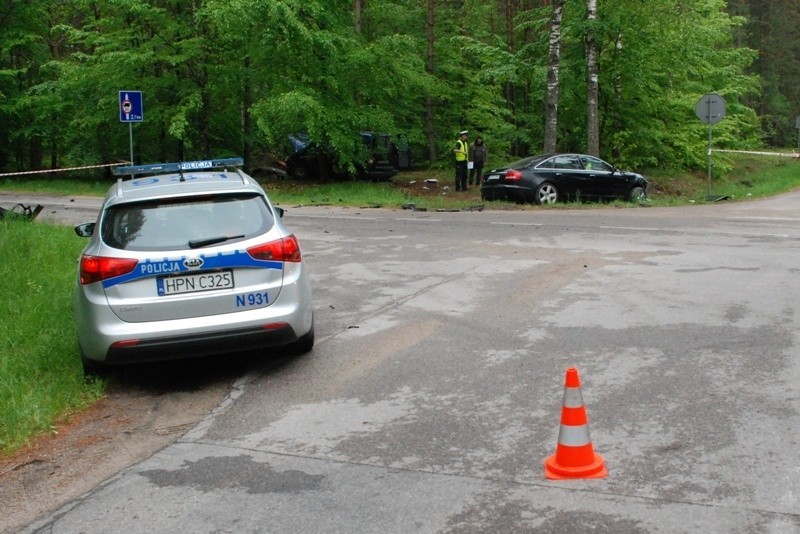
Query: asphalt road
434	392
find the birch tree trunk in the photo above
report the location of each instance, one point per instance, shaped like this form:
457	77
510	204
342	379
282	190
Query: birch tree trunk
429	67
592	90
358	10
551	117
510	89
247	119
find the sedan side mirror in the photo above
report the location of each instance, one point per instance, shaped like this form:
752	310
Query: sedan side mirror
85	229
280	211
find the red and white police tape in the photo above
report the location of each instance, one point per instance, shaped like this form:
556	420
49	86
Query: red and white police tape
45	171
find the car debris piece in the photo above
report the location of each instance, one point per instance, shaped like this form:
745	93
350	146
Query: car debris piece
21	211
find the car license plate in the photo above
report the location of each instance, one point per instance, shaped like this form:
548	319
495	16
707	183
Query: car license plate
492	177
193	283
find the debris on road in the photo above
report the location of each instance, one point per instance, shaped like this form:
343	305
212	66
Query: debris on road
21	211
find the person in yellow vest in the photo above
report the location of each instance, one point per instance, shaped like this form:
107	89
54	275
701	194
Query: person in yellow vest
461	151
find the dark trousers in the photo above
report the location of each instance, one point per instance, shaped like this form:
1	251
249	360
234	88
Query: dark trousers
461	175
476	173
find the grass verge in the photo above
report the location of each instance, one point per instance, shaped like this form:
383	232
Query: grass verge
41	379
748	177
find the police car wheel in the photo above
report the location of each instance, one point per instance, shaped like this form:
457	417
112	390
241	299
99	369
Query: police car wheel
91	367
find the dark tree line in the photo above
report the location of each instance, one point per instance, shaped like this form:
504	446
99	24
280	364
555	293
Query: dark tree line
236	77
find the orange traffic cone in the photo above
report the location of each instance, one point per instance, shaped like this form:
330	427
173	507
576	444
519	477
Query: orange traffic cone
574	457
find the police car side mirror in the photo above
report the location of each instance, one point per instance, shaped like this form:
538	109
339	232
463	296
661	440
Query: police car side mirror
85	229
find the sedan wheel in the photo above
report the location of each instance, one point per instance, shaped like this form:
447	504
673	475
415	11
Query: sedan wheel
546	194
637	194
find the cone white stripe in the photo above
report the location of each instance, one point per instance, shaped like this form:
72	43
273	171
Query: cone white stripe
573	398
574	436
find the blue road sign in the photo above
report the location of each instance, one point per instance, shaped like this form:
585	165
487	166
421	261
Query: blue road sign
130	106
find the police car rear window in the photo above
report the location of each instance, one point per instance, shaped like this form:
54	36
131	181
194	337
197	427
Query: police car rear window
171	224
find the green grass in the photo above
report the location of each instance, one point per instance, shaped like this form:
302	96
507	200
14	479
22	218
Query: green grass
336	193
748	177
755	177
41	379
57	187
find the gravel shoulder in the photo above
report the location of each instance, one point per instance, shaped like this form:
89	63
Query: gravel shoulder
132	422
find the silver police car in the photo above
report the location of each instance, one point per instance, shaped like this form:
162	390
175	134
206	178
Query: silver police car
186	260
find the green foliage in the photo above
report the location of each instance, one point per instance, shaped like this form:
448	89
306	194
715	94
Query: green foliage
652	76
227	77
773	28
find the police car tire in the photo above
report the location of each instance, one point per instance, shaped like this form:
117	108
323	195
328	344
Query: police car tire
304	344
91	367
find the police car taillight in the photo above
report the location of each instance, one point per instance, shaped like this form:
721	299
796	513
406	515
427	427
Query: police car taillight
97	268
286	249
513	176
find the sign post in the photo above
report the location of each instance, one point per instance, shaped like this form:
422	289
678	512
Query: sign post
130	111
797	125
710	109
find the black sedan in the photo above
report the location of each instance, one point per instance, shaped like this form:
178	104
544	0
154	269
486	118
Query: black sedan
549	178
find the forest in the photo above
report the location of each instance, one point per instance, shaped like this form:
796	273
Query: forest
616	78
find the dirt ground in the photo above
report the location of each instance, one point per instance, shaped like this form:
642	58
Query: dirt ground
422	186
143	412
417	184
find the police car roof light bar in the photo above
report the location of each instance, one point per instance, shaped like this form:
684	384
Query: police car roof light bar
181	166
